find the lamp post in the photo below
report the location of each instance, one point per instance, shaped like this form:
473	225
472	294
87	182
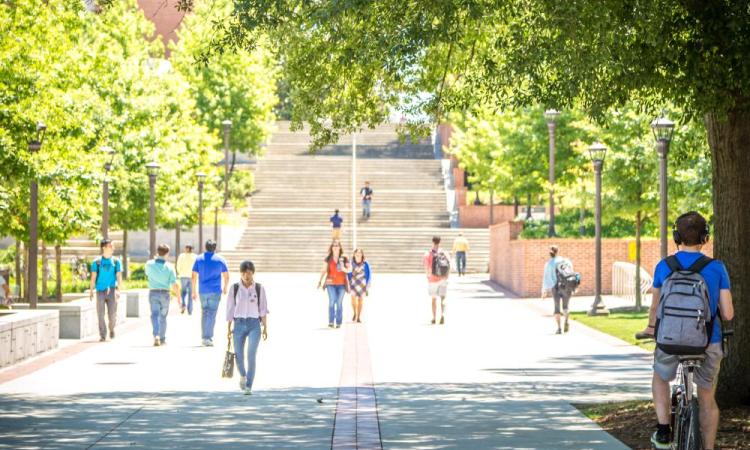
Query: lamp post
201	180
110	155
153	171
227	126
551	115
663	129
598	151
34	146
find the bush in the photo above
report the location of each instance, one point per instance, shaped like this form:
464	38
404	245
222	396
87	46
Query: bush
567	225
241	185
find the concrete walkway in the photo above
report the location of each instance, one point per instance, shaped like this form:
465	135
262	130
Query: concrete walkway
495	376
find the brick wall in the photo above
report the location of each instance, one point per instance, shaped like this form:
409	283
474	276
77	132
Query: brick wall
518	264
165	17
478	216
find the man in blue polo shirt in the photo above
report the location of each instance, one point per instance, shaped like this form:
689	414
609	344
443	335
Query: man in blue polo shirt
106	279
691	233
210	281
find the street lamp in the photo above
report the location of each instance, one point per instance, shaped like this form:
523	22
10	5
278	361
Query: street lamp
663	129
551	115
227	126
201	180
597	152
34	146
152	169
109	153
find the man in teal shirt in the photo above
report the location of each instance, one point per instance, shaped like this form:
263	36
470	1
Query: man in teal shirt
161	280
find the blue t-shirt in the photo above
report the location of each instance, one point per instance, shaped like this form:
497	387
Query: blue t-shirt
714	273
209	267
336	220
107	269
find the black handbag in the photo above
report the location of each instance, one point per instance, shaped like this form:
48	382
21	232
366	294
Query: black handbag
227	371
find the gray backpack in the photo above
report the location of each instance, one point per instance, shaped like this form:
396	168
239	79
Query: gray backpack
684	321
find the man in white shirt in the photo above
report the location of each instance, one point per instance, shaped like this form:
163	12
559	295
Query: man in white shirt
247	309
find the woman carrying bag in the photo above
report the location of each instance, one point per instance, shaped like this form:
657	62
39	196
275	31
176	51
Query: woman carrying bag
333	278
359	280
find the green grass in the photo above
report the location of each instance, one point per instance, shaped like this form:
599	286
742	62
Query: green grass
622	325
597	412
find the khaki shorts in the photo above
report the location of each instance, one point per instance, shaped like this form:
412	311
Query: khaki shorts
705	376
438	288
336	234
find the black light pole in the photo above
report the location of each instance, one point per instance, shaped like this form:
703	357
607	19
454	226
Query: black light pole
551	115
201	180
153	171
227	126
34	146
110	154
597	152
663	129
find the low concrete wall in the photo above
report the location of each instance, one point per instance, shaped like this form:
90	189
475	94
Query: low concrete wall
78	319
24	334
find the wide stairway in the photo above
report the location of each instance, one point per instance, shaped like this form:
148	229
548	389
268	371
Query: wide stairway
296	193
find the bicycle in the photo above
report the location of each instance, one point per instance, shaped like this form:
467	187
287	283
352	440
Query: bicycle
685	412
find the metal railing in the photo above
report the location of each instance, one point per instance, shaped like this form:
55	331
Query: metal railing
623	281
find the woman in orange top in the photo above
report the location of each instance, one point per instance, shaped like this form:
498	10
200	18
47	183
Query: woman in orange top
333	278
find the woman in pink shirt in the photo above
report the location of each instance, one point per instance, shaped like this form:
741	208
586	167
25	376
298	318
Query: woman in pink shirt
247	308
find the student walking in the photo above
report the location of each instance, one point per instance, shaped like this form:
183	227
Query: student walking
4	291
106	279
366	194
559	281
437	266
460	249
247	308
162	281
333	278
336	221
359	280
210	281
185	263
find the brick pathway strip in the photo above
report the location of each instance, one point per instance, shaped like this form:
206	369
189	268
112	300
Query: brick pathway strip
356	424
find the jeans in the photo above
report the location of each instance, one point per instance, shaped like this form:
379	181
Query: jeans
159	300
209	305
366	208
187	294
461	262
246	330
335	300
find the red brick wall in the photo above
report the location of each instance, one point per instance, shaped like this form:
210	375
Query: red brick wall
518	264
165	17
478	216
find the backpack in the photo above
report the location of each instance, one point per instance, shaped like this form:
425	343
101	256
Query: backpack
567	279
236	289
441	264
684	322
98	262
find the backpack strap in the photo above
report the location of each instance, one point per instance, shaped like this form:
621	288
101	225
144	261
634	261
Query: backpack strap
673	263
257	292
235	289
700	264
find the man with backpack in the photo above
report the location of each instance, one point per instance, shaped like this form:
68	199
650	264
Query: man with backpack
560	281
694	290
106	279
247	308
437	265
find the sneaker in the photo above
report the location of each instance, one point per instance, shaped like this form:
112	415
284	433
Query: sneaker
338	325
247	391
442	320
559	331
157	342
163	341
330	325
112	334
102	339
661	441
567	327
433	321
243	383
182	310
209	343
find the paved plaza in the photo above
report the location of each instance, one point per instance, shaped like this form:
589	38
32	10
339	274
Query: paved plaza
493	377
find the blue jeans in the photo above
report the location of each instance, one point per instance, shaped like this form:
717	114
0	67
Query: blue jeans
159	300
209	305
246	330
366	208
461	262
187	294
335	299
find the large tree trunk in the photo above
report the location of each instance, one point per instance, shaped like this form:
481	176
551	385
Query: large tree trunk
516	205
125	254
729	139
45	271
19	272
638	224
177	240
26	273
528	206
58	272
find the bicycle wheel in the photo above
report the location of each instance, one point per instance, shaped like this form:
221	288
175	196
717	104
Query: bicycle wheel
694	440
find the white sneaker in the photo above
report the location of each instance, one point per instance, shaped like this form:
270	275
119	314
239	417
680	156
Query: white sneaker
209	342
247	391
243	382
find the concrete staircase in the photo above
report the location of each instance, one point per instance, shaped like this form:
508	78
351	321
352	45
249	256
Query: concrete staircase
296	193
